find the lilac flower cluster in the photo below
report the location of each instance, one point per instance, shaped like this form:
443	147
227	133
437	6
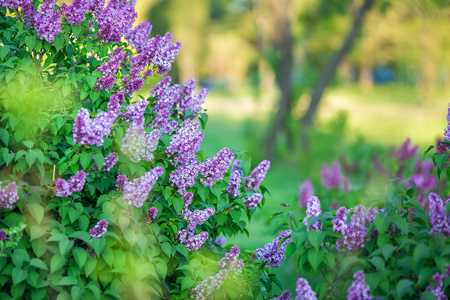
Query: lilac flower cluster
137	145
185	142
8	196
253	201
304	290
438	288
88	132
231	262
340	223
359	290
187	236
252	182
99	229
158	51
3	235
406	152
206	288
75	184
234	184
136	192
192	242
114	103
313	210
305	193
135	112
273	253
75	13
446	137
115	20
151	214
187	198
138	36
423	179
215	167
108	69
220	240
186	101
286	295
47	21
121	181
237	167
184	175
439	220
13	4
110	161
331	177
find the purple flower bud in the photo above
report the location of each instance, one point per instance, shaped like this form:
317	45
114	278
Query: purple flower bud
138	36
253	201
438	288
340	223
48	21
220	240
151	214
185	142
75	12
75	184
184	176
306	192
304	291
99	229
359	290
115	20
88	132
3	235
252	182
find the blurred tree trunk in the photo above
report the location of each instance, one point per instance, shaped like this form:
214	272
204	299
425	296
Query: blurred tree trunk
330	69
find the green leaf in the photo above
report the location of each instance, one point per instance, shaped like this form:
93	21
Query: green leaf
378	262
80	256
36	232
330	260
30	158
37	263
315	257
99	160
30	41
187	283
56	263
290	249
76	292
316	238
67	281
403	286
4	136
65	246
89	266
76	30
183	250
426	151
161	267
387	251
59	42
401	224
178	204
37	211
167	249
18	275
4	50
420	252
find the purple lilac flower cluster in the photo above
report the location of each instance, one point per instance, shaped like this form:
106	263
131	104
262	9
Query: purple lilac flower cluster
121	181
273	253
234	184
187	198
99	229
355	233
439	220
13	4
187	236
305	193
8	196
215	167
75	13
237	167
110	161
313	210
206	288
304	290
108	69
286	295
185	142
88	132
135	112
137	145
136	192
47	21
220	240
75	184
187	101
151	214
231	262
184	175
138	36
115	20
331	177
438	288
252	182
253	201
164	97
406	151
423	179
446	137
3	235
359	290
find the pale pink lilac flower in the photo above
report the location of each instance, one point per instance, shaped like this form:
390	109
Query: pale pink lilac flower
359	290
8	196
136	192
439	220
406	152
234	184
206	288
273	253
313	210
137	145
214	168
331	177
253	201
306	192
184	175
151	214
231	262
252	182
110	161
99	229
304	290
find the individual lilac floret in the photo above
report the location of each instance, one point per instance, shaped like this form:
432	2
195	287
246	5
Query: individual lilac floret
445	141
136	192
3	235
75	13
220	240
438	288
184	175
286	295
253	201
138	36
88	132
340	223
331	177
99	229
75	184
313	210
206	288
115	20
359	290
406	152
252	182
110	161
273	253
439	220
151	214
47	21
234	184
304	290
8	196
185	142
137	145
121	180
214	168
231	262
305	193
